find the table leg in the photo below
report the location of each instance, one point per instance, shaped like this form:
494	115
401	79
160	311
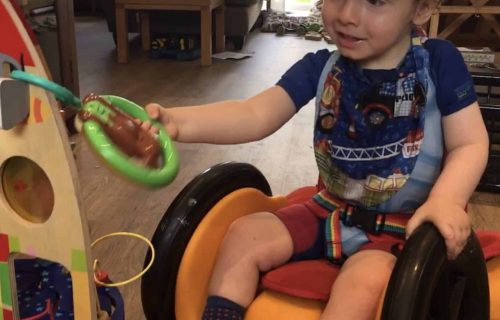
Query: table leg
220	41
433	27
206	36
121	34
145	30
67	45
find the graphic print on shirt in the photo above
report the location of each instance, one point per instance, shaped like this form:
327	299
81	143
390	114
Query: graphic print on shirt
329	103
368	135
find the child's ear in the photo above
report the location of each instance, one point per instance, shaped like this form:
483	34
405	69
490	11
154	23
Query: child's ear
424	11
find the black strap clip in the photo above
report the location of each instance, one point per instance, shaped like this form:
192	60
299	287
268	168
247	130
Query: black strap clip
364	219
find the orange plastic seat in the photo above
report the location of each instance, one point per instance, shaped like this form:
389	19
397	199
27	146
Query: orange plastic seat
176	287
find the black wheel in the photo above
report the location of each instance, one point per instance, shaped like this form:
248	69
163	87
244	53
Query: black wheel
178	225
426	285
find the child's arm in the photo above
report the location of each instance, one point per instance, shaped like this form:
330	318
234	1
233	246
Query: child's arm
466	142
226	122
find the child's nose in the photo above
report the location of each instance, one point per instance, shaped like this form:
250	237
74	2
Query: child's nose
349	12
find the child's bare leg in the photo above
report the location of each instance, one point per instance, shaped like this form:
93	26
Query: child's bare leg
357	291
253	244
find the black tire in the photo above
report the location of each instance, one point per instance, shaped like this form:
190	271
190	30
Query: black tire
178	225
426	285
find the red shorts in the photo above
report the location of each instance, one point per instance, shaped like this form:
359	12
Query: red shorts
306	223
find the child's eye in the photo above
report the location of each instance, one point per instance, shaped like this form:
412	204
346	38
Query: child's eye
376	3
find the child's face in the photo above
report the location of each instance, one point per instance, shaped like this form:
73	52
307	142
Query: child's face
374	33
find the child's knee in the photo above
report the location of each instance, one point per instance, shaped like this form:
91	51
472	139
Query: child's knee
371	271
260	237
250	227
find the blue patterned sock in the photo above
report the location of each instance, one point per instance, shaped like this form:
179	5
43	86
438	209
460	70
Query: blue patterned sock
219	308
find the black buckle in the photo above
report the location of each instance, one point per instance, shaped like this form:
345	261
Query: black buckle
365	219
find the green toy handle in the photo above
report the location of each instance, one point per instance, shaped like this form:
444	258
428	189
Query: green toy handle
117	159
62	94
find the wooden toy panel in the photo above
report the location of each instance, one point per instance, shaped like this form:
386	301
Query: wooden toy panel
39	204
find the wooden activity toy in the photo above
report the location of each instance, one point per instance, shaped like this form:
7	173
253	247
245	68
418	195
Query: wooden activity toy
39	203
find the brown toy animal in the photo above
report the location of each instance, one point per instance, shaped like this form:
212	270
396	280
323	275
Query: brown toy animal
126	133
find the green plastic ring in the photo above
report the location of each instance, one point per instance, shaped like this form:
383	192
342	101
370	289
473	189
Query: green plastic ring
119	161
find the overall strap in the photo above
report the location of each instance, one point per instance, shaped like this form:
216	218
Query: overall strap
327	68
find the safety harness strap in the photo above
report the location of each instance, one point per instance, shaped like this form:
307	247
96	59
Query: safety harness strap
370	221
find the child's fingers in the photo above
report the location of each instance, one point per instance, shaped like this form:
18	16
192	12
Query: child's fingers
154	129
146	125
462	238
153	110
454	248
157	112
455	238
413	223
452	241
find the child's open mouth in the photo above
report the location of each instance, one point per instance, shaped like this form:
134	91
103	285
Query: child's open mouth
347	41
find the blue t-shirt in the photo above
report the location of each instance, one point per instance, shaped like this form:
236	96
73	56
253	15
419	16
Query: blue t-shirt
454	85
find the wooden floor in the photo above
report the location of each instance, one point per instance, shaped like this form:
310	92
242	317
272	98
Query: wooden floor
286	158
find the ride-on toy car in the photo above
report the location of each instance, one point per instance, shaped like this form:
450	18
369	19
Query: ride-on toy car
424	284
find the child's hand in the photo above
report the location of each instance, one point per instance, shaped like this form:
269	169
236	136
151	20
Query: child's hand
157	112
451	220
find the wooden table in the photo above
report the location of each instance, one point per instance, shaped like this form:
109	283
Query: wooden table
204	6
